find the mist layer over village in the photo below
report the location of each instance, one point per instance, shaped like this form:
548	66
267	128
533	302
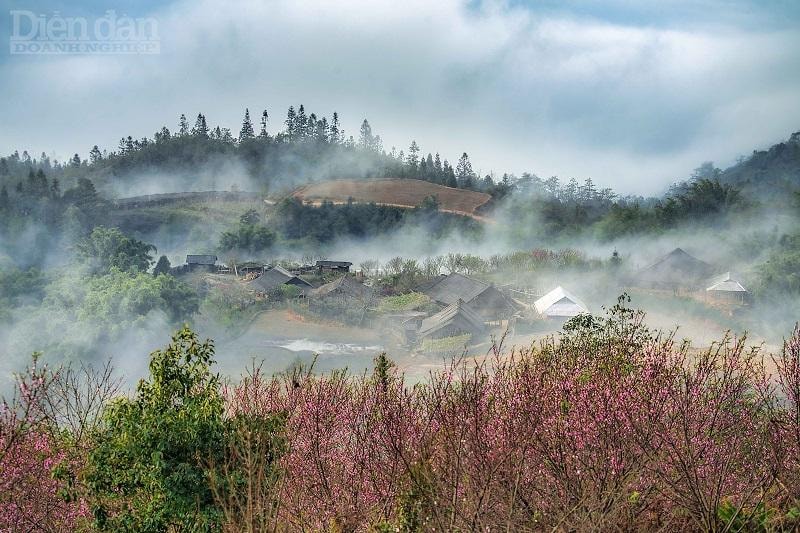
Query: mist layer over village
551	254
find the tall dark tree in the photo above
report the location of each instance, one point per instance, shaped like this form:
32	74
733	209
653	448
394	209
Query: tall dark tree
94	155
247	131
302	122
200	127
366	139
264	119
336	132
464	172
413	155
75	162
291	123
55	189
163	266
183	126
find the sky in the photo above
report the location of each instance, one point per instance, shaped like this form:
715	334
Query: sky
631	94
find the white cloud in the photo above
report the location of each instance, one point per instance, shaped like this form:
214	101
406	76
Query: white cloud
631	106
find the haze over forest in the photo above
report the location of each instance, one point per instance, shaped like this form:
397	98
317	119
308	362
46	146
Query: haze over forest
633	96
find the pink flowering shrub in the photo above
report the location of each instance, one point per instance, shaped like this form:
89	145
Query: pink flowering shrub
609	427
32	497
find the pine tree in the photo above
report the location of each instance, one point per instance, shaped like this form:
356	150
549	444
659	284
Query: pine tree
55	189
291	123
264	119
247	131
322	130
163	135
413	155
464	173
336	132
430	169
94	155
449	175
200	127
5	203
75	162
365	139
3	167
183	126
301	125
163	266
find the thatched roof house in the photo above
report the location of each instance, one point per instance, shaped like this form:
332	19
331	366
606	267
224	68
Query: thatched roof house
675	270
273	278
334	266
454	320
483	298
344	287
559	303
202	262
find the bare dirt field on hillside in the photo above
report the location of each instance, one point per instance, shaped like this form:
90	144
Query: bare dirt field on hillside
396	192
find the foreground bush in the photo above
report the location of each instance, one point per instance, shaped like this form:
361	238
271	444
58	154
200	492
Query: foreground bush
609	427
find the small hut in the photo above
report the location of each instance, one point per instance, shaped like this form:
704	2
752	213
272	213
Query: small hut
201	262
333	266
559	304
725	289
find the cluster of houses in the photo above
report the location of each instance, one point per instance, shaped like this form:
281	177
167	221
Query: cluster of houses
464	306
682	273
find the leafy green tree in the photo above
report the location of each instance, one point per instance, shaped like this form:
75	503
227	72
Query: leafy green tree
108	248
148	469
250	216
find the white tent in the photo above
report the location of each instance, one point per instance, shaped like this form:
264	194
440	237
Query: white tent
559	303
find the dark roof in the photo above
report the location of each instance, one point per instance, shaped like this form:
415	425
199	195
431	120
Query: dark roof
334	263
201	259
456	287
675	268
346	285
457	313
275	277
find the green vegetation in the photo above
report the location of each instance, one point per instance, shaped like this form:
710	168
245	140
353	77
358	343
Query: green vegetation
108	248
446	345
403	302
249	236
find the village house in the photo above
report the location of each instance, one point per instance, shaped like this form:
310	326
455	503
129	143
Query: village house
333	266
675	271
201	262
559	304
457	319
272	279
343	291
483	298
